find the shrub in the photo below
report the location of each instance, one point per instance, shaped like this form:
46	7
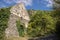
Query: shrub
4	15
41	24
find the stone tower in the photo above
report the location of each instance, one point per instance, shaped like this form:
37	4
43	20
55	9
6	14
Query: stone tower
20	11
17	11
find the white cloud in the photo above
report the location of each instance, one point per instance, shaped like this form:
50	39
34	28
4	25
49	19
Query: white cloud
50	3
26	2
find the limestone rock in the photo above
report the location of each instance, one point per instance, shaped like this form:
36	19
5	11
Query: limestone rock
17	11
20	10
12	30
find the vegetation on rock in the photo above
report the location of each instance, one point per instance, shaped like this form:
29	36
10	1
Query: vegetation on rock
42	23
4	16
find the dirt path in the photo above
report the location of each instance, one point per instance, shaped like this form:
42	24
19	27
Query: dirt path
18	38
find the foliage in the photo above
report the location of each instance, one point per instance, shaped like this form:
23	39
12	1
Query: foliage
56	4
57	1
41	24
20	28
57	17
4	15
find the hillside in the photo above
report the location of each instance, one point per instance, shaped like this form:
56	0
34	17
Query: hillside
42	23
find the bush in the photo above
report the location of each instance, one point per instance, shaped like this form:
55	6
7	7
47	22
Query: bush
4	15
41	24
20	28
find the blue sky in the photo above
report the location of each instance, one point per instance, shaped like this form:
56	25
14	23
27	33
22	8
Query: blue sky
29	4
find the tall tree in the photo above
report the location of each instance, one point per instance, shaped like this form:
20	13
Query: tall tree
57	15
56	4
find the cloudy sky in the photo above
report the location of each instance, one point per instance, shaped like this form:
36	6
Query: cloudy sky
29	4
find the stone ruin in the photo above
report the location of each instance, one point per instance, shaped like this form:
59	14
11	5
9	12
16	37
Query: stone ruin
20	11
17	11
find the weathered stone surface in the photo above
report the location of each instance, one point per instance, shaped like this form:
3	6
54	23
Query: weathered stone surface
17	11
12	30
20	10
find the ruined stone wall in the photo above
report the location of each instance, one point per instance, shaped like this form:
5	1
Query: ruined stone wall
12	30
20	10
17	11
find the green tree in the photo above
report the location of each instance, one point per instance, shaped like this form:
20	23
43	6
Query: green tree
41	24
4	16
57	16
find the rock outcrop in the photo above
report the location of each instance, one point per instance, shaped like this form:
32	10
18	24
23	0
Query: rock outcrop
17	11
12	30
20	11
